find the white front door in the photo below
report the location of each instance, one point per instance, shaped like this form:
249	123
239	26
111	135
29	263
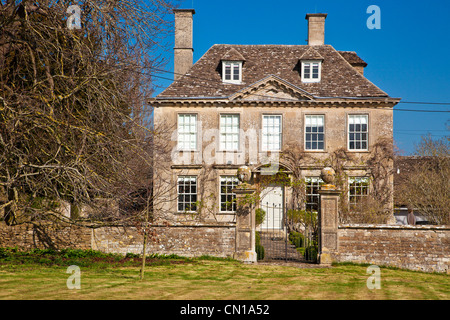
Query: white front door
272	204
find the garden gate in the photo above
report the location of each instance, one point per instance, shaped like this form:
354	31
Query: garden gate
278	243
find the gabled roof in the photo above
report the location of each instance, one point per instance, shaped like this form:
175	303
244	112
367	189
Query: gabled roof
233	55
338	79
311	54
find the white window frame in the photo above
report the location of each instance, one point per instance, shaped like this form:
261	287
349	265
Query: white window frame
232	65
366	187
187	132
357	118
229	132
229	181
311	64
268	132
189	193
314	122
312	184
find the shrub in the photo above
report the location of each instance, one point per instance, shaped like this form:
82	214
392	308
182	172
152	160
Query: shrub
311	253
260	214
258	247
259	252
296	238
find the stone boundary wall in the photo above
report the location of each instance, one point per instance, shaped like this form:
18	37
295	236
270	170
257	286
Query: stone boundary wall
423	248
27	236
189	241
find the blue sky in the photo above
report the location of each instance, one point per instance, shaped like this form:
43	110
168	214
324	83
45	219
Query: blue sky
408	57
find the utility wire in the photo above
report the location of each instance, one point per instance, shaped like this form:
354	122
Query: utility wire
285	99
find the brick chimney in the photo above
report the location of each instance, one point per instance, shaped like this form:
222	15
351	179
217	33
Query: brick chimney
316	28
183	51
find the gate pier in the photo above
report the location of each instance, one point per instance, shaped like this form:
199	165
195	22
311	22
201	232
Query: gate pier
245	224
328	218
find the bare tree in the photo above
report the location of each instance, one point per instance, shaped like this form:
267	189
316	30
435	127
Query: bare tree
74	120
426	186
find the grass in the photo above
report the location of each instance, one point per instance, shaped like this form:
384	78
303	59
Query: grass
41	275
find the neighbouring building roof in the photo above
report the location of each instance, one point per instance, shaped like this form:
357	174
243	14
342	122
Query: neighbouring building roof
338	79
353	58
405	166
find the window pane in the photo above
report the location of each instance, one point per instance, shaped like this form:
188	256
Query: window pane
358	188
227	197
315	73
306	71
312	193
314	124
229	132
187	131
357	132
227	72
187	193
271	133
236	72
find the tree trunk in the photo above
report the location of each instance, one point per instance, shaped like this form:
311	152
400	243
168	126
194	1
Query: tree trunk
141	276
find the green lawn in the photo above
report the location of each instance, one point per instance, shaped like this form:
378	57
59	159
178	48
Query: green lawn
175	278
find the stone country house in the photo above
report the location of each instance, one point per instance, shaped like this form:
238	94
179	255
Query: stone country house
249	105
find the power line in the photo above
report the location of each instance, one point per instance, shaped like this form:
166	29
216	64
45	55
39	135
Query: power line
285	99
416	130
413	102
419	134
219	81
414	110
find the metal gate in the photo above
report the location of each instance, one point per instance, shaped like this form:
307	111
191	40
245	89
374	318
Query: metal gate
275	242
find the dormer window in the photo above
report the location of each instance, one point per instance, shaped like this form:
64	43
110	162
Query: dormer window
232	71
311	70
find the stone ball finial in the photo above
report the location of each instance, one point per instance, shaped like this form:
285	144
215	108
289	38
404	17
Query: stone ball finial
328	174
244	174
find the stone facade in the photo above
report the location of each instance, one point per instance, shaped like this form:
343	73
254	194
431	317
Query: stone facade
253	83
208	163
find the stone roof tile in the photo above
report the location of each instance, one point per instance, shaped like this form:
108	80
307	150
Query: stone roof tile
338	79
